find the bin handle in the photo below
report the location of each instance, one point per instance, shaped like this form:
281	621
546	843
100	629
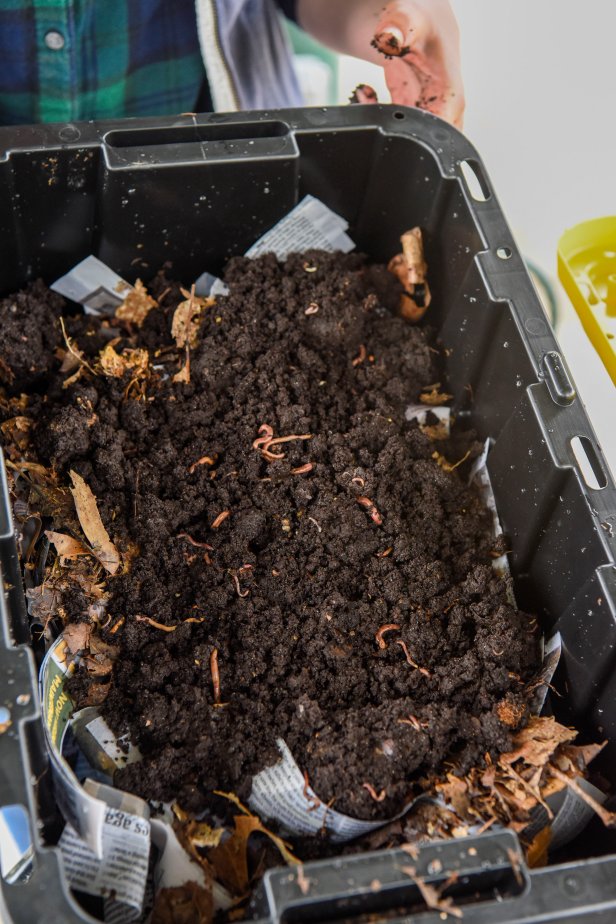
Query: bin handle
197	143
487	867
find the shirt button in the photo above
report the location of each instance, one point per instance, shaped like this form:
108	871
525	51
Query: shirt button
54	40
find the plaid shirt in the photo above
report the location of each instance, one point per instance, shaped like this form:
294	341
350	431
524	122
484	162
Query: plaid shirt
65	60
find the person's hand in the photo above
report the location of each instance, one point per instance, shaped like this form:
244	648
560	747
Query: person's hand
420	45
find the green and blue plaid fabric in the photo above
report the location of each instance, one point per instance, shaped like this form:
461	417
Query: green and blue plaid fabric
64	60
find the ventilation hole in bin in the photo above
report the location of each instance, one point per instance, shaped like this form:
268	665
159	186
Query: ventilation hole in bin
476	182
588	463
15	841
610	336
399	115
504	253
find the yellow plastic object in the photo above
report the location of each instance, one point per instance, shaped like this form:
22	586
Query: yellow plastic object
587	270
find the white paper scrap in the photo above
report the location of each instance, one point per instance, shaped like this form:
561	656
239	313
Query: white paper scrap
84	813
120	750
120	874
94	285
280	792
311	225
175	867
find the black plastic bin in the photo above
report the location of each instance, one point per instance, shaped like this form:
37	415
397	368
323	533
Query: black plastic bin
197	190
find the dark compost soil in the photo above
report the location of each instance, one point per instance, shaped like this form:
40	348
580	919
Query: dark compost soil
300	575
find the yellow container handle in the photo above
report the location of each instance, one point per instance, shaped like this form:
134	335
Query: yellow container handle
587	270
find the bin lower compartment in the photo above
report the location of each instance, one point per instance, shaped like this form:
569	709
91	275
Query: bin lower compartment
196	191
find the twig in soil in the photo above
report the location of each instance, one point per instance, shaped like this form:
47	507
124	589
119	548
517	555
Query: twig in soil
312	520
370	506
360	358
388	627
199	545
422	670
76	353
221	518
164	628
608	818
302	469
204	460
373	793
215	675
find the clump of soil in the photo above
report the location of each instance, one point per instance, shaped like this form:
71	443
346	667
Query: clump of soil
286	568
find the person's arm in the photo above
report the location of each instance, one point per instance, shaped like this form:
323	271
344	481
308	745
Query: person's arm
416	42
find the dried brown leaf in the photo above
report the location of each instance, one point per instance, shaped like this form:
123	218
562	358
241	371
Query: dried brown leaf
66	546
537	741
16	433
187	318
454	791
434	397
510	712
435	432
136	306
116	364
68	361
92	525
229	858
184	373
43	602
186	904
77	636
96	695
100	657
